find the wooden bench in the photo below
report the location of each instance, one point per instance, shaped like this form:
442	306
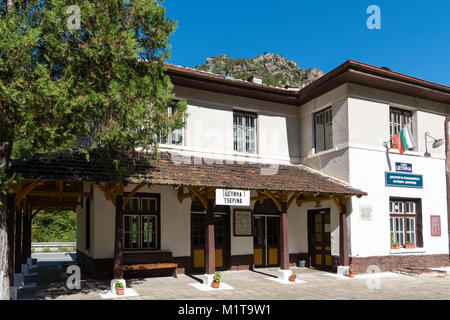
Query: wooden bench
153	266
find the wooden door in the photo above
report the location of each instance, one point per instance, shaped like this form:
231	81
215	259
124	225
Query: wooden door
221	241
198	240
319	238
273	241
259	241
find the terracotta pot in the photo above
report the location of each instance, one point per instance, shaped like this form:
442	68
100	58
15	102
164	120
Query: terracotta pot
395	247
410	246
351	275
292	279
215	285
120	291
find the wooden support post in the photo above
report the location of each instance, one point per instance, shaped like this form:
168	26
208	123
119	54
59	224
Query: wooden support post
210	255
284	243
10	228
343	238
26	225
18	246
29	234
118	240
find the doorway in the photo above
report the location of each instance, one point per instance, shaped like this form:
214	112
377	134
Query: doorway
319	238
266	241
221	240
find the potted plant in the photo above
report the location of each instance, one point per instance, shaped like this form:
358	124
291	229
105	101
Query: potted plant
410	245
293	276
216	280
351	273
395	245
120	290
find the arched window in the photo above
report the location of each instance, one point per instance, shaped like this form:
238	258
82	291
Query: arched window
267	207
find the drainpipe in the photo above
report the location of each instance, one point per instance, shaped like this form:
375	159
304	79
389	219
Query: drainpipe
447	173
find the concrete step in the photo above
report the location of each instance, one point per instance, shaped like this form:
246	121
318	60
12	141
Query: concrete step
30	278
23	293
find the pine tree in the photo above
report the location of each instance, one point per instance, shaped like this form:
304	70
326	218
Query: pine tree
103	80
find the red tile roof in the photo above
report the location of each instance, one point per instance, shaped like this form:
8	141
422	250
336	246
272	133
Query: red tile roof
207	173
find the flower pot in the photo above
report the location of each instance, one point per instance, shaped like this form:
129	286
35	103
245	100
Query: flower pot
216	285
395	247
120	291
351	275
292	279
410	246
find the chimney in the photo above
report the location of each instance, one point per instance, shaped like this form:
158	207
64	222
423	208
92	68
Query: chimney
254	79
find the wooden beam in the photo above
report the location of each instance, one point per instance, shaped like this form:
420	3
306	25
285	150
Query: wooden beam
132	193
275	200
343	238
107	192
200	197
210	254
181	195
36	212
58	194
24	192
337	203
118	240
10	228
284	239
292	199
18	246
61	189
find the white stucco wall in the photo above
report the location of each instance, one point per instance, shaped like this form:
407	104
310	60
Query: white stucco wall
372	238
209	126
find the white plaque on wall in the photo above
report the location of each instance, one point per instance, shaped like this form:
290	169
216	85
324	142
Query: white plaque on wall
243	223
365	212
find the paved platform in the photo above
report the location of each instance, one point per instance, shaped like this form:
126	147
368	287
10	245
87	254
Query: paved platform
249	285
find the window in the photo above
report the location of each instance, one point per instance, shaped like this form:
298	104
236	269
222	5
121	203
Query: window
175	136
141	229
323	127
244	132
398	120
405	222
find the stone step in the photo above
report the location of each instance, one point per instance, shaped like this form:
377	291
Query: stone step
30	278
26	292
420	272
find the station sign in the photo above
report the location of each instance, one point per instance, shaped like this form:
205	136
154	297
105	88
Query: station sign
403	167
396	179
238	198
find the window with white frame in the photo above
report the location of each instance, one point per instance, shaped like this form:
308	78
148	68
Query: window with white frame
404	223
398	120
140	227
244	132
323	130
174	136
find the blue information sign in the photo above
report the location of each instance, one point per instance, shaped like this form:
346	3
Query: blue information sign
396	179
403	167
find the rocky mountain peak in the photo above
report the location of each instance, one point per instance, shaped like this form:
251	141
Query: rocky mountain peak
274	69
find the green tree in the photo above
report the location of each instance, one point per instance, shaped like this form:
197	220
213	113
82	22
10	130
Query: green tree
105	81
55	226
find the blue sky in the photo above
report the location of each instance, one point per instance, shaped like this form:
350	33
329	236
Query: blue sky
414	37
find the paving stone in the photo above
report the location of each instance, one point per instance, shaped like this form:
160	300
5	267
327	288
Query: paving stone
250	285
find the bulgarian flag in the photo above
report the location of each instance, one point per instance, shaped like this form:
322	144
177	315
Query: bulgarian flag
404	140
